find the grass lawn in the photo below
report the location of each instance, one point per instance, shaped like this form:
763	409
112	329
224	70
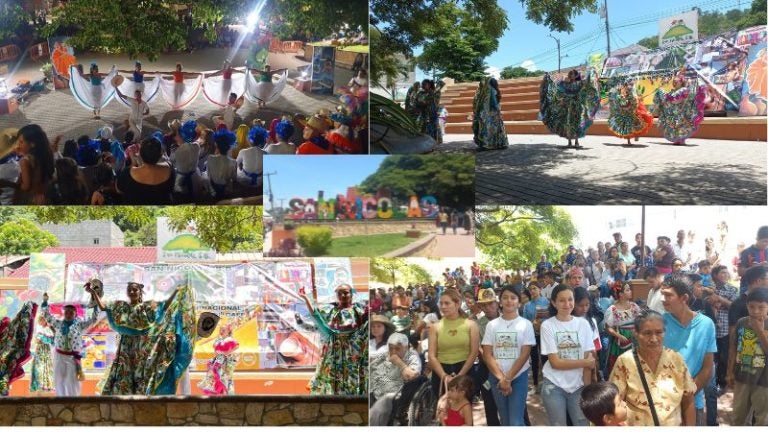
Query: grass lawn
368	245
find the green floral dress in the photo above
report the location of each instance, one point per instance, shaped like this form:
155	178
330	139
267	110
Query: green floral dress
680	111
487	123
156	345
343	367
568	108
42	366
15	340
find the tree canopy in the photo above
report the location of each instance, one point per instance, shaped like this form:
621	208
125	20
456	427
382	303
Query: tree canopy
22	237
453	31
398	271
450	178
510	72
514	237
313	20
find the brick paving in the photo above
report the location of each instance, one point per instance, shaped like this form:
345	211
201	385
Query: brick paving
450	245
59	114
541	169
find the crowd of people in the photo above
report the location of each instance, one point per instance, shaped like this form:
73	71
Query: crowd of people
581	332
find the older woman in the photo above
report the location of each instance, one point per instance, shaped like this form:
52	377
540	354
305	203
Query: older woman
454	342
143	363
343	365
668	380
150	183
388	375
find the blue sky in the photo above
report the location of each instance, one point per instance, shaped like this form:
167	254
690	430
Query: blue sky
630	20
302	176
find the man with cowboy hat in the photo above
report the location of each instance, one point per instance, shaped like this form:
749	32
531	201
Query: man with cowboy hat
315	142
9	167
486	299
68	347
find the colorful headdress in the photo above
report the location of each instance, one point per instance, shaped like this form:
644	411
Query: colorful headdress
284	129
224	136
188	130
258	136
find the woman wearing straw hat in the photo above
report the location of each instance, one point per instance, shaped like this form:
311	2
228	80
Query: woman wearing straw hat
343	366
381	328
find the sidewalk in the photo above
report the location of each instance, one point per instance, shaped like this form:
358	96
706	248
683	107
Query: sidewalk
451	245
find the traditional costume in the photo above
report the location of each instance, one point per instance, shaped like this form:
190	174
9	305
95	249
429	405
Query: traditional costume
217	89
15	340
41	380
681	110
426	106
263	90
628	116
568	107
179	92
342	138
155	345
314	135
343	367
92	93
68	347
487	124
185	159
219	379
623	321
250	162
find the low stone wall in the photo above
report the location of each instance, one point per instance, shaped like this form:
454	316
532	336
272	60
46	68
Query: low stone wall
189	411
345	228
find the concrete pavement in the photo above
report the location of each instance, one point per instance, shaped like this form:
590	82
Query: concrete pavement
541	169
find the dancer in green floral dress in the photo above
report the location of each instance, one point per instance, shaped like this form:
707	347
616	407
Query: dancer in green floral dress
487	124
680	111
343	367
568	107
155	342
15	340
42	366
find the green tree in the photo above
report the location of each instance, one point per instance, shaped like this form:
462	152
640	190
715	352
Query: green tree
755	16
516	236
510	72
313	20
650	42
460	39
398	271
137	27
408	24
145	235
12	16
449	178
224	228
22	237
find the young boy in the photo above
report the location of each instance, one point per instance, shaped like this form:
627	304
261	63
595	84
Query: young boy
704	271
601	404
747	373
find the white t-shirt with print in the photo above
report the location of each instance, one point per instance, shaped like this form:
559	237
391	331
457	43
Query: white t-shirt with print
506	338
569	340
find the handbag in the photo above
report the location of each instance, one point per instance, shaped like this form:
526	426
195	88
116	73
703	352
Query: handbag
442	403
645	387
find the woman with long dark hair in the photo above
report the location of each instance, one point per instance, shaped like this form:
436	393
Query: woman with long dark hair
487	123
36	166
568	107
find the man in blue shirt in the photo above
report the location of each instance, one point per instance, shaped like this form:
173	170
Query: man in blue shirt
691	334
543	266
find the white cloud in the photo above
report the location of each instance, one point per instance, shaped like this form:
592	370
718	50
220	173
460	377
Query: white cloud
529	64
493	71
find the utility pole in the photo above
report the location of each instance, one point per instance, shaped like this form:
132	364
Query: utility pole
269	188
607	28
558	52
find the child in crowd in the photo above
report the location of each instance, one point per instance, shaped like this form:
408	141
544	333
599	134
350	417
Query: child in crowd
221	169
283	131
454	407
704	271
105	193
250	162
747	373
602	405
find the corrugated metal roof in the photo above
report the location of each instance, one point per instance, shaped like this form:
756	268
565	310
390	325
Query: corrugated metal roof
101	255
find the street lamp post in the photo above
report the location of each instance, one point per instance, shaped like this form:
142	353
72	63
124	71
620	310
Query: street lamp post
558	52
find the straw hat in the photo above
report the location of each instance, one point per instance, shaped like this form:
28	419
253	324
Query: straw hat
382	319
206	323
315	122
7	141
486	295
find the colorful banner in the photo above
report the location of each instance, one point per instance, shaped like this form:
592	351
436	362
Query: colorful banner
46	274
330	273
681	28
754	100
323	64
10	302
183	246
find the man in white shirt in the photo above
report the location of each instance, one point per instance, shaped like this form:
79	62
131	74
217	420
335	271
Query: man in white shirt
550	284
681	249
655	299
137	110
68	347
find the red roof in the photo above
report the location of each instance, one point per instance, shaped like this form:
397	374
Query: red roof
96	255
